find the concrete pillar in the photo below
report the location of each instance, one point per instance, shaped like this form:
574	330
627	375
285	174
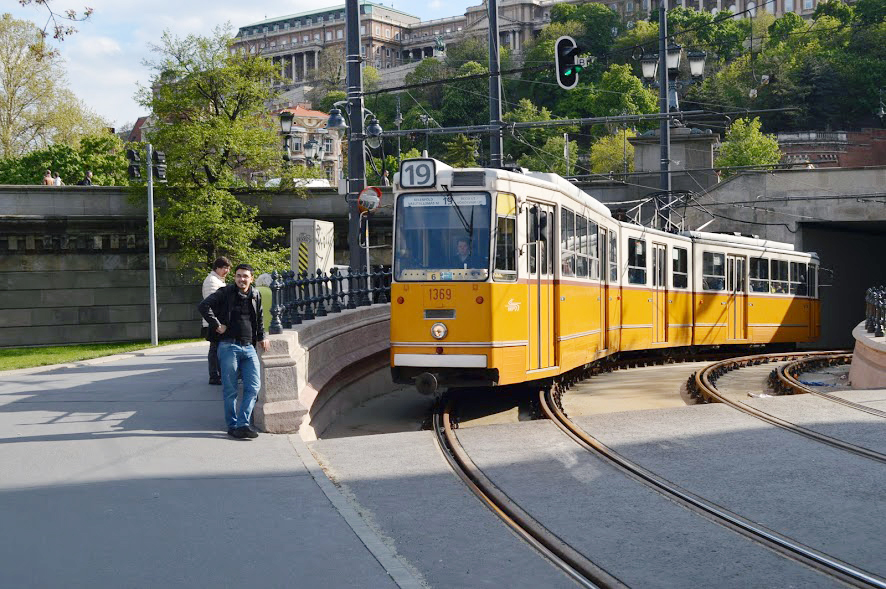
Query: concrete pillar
304	65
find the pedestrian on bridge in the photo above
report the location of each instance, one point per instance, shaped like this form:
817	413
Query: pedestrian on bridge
235	314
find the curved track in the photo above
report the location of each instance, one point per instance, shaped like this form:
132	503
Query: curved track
819	560
562	555
787	378
703	384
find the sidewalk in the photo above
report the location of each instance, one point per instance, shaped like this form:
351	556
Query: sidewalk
119	473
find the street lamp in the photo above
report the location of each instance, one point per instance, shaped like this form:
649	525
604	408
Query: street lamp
426	119
881	112
313	152
696	63
286	118
398	120
356	179
649	66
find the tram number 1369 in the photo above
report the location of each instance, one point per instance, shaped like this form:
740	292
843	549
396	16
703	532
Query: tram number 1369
440	294
417	174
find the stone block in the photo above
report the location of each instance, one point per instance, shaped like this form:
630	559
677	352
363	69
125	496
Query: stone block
93	315
15	318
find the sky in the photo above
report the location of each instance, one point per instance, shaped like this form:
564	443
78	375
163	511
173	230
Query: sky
104	58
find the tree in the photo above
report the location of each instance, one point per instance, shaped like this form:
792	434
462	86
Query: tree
522	141
429	70
536	85
600	23
60	30
835	9
613	153
466	102
103	154
552	157
209	107
36	108
461	151
746	145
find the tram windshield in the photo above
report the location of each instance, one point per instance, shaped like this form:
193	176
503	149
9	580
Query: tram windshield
442	237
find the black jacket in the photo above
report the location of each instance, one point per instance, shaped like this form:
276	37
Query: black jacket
217	309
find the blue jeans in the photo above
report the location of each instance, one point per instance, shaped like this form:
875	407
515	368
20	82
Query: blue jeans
234	358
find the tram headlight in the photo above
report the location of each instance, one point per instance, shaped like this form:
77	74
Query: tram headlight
438	331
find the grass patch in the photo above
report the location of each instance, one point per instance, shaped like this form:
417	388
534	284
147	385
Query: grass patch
13	358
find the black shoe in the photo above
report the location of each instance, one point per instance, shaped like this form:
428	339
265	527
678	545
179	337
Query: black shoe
236	433
215	381
248	432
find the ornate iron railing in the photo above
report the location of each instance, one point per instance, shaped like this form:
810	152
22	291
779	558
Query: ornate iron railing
296	298
875	310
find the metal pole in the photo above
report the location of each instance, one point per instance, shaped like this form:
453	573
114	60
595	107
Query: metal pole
356	156
152	260
495	139
399	122
664	109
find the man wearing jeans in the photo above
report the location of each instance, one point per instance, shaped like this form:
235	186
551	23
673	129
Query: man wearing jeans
235	314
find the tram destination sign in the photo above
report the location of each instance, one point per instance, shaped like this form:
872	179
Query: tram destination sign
442	200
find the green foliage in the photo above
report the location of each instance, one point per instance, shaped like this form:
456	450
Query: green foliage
785	27
429	70
461	151
835	9
36	107
551	157
103	154
870	12
537	85
212	122
723	37
746	145
610	153
466	102
390	164
522	141
600	24
325	105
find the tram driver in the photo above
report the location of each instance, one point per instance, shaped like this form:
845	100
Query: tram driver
463	257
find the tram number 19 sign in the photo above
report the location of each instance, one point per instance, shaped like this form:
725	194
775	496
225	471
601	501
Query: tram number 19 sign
418	174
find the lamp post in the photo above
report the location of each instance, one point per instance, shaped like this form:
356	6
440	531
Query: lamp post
426	119
398	120
665	67
286	118
881	112
356	179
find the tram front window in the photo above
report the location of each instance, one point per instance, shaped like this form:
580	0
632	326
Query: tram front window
442	237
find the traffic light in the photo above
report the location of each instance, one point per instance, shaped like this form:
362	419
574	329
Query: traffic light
565	53
135	171
159	166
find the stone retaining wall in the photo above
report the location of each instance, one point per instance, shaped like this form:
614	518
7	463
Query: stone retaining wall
306	372
868	369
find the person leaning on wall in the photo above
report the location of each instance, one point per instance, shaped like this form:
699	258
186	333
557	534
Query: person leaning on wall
214	281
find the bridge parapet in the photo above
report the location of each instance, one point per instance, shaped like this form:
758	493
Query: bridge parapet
306	368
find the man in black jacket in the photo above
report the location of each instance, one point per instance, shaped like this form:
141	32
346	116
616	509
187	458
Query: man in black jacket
235	313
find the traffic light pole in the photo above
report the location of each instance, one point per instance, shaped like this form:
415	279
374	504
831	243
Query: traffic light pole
152	261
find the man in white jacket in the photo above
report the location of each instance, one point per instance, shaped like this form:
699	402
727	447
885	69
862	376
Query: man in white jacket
214	281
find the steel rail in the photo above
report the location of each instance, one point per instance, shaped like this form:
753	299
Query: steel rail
570	561
705	383
786	377
818	560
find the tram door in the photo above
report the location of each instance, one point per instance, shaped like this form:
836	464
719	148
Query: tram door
659	293
540	270
603	242
737	304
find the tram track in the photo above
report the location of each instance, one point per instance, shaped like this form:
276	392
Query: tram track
843	571
786	378
702	385
578	567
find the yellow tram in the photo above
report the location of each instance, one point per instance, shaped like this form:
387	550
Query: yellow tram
502	277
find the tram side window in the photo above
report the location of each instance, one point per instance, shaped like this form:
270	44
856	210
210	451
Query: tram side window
759	275
778	272
636	261
567	241
581	246
613	256
531	238
813	280
799	285
713	272
506	239
680	268
546	236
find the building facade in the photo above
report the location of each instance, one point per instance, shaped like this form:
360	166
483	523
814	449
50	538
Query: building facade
308	125
390	38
